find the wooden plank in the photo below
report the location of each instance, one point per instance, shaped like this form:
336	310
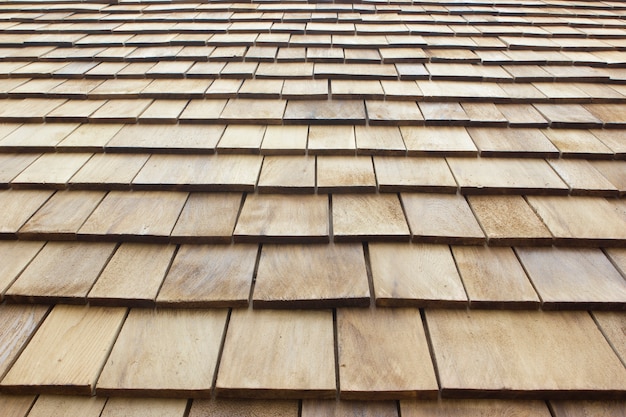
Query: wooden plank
12	164
389	112
332	140
67	353
51	170
441	218
311	276
508	142
140	215
336	174
614	139
89	137
36	136
180	361
285	140
144	407
473	408
329	408
506	175
204	276
443	113
108	172
70	406
15	257
287	174
253	111
578	143
574	278
613	326
163	111
61	216
588	408
583	178
323	111
428	174
484	114
19	324
379	140
241	139
613	171
568	115
120	111
415	275
494	278
133	276
282	218
202	111
16	405
198	222
522	115
199	173
173	138
368	217
438	141
573	220
523	354
46	280
278	354
363	346
618	258
509	220
244	407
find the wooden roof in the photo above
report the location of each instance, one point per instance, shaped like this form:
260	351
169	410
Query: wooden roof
311	208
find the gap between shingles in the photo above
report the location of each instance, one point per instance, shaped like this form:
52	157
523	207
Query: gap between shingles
606	338
19	274
219	354
408	224
482	228
111	255
167	271
187	408
336	348
254	274
241	203
431	349
458	271
528	275
331	231
109	350
550	408
370	277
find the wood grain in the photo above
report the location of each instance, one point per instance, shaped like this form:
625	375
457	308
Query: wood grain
509	142
12	164
241	139
244	407
311	276
363	341
140	215
583	178
67	352
17	207
336	174
16	405
150	138
144	407
46	280
133	276
283	218
368	216
415	275
438	141
282	140
329	408
577	143
574	278
613	326
588	408
474	408
15	257
108	172
287	174
494	278
278	354
69	406
523	354
19	324
179	361
426	174
207	218
379	140
209	276
331	140
51	170
441	218
61	216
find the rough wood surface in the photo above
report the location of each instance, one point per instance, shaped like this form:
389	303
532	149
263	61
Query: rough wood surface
330	408
244	407
279	140
278	354
415	275
494	278
19	324
67	353
305	276
368	217
512	142
147	138
438	141
144	407
583	178
209	276
426	174
51	170
336	174
574	278
509	220
241	139
523	354
108	172
15	257
133	276
207	217
441	218
613	326
49	281
364	349
474	408
180	361
18	206
140	215
16	405
283	218
287	174
331	140
588	408
70	406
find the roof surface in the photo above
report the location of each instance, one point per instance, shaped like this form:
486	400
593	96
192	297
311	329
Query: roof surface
403	208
